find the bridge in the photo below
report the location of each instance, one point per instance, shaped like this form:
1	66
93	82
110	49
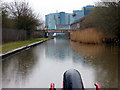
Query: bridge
51	32
59	31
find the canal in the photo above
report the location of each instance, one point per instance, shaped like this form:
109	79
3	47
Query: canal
39	66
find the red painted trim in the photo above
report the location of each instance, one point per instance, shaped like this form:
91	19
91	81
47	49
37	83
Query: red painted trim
52	86
97	86
83	85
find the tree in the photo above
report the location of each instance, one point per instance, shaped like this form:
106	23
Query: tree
105	17
7	22
22	15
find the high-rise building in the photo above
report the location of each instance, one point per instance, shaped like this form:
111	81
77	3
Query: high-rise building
79	16
88	9
62	20
55	19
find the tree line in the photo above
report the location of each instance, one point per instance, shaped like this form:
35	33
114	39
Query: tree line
19	15
105	18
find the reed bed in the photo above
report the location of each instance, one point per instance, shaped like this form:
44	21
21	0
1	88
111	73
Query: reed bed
89	36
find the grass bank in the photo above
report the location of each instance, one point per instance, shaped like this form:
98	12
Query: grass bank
89	36
13	45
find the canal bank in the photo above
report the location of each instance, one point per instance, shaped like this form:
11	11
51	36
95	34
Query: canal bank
22	48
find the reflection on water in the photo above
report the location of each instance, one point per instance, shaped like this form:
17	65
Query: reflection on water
16	68
39	66
104	60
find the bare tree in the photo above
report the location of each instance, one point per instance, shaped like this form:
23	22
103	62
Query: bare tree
0	7
23	15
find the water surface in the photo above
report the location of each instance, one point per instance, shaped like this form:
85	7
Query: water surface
39	66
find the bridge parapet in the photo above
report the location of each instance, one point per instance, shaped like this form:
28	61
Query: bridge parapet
59	31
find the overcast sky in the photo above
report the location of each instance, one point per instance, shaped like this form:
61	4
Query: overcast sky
44	7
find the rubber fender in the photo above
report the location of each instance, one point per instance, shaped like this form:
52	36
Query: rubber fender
72	80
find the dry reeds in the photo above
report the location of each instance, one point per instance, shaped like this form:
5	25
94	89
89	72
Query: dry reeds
89	36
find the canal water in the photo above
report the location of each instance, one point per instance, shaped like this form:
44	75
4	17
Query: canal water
39	66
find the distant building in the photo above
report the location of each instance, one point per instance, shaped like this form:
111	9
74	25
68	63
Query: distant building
88	9
63	26
63	20
77	23
79	16
54	20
